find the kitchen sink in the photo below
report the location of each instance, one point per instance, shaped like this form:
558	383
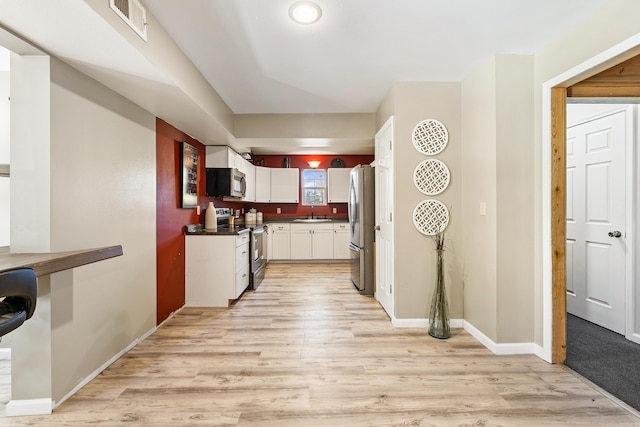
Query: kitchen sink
312	220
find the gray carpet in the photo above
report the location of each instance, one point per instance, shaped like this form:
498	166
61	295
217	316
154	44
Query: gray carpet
605	358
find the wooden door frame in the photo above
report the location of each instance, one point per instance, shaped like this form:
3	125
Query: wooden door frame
558	223
614	73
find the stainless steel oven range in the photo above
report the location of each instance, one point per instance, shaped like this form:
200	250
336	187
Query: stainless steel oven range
257	261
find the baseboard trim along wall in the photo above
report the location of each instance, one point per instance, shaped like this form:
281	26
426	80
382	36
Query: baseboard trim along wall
104	366
18	408
422	323
502	348
5	354
495	348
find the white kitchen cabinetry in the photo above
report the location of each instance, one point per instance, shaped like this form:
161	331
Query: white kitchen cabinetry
341	240
268	252
263	184
285	185
300	242
216	269
311	241
250	178
281	241
338	185
220	156
322	245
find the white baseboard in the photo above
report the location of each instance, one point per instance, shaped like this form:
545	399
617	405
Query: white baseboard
503	348
496	348
422	323
17	408
5	353
101	368
633	337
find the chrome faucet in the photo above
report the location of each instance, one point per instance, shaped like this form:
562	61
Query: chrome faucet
311	211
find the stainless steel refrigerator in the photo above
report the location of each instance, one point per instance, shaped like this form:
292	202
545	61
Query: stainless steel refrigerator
361	223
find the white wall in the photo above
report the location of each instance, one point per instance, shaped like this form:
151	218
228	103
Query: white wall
4	151
415	257
515	198
103	192
479	233
84	178
497	171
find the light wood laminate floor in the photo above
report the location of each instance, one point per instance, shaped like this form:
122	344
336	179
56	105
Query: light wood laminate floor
306	349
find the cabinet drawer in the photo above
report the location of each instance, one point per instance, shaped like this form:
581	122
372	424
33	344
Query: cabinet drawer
242	257
319	226
242	239
281	227
242	281
341	226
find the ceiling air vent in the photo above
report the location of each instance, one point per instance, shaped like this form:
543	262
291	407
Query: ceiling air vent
132	12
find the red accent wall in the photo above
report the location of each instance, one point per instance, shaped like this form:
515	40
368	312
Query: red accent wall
170	219
300	161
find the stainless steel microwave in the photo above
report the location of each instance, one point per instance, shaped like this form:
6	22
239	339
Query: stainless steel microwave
226	182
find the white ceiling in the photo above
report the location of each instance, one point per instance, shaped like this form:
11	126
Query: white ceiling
260	61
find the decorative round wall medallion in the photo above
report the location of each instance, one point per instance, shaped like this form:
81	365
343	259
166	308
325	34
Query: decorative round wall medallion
430	137
431	177
430	217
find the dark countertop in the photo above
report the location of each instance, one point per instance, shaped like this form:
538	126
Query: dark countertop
293	218
222	230
241	227
52	262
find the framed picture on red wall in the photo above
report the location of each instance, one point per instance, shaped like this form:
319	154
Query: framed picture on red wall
189	158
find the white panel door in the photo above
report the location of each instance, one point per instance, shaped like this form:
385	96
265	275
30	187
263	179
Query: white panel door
596	238
384	216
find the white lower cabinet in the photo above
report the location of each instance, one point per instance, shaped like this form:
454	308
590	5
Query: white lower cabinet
341	240
280	241
304	241
312	241
300	242
216	270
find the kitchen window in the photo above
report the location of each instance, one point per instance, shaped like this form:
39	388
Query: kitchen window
314	187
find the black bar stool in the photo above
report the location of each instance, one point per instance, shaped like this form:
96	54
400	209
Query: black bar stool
19	291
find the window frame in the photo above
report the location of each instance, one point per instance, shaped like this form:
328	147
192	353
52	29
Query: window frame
323	189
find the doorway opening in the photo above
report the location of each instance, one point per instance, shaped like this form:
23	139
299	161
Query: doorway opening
600	160
609	74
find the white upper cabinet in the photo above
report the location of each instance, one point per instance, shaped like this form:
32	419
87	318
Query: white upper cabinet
263	184
250	177
338	184
220	156
285	185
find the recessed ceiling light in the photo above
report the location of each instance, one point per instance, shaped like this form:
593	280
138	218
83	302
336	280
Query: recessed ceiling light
305	12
